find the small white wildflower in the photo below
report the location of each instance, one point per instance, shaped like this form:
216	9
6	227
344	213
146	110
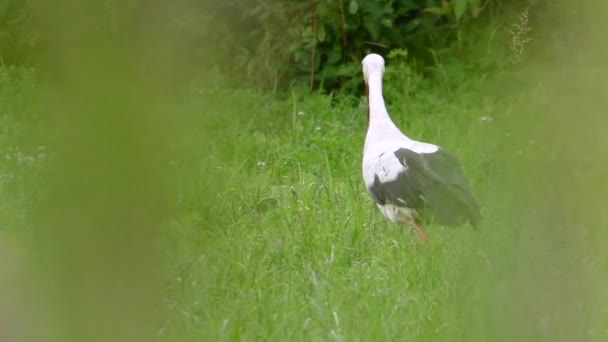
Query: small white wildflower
261	164
301	113
24	159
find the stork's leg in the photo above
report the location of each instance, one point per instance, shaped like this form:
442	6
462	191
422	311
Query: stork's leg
421	231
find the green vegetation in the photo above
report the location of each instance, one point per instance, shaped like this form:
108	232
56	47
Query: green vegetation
138	203
296	249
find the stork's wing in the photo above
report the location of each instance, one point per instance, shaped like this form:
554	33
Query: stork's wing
388	181
438	181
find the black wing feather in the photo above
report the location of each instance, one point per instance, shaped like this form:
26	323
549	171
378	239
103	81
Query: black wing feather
437	181
401	191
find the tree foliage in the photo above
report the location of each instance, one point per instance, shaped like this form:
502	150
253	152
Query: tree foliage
274	42
322	42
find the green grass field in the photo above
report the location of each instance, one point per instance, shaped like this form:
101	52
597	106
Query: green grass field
132	208
294	247
270	234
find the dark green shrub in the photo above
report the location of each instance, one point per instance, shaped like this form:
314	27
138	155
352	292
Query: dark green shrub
274	43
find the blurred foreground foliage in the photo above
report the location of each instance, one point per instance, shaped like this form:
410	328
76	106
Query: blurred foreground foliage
157	209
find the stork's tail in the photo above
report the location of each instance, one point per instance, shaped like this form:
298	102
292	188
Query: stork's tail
475	218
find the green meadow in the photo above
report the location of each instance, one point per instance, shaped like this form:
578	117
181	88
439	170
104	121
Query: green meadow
135	206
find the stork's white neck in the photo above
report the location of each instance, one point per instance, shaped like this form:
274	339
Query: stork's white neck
377	108
382	133
380	124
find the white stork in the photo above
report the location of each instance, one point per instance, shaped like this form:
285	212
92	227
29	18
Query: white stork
410	181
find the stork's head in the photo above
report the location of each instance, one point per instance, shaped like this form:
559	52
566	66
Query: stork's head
372	63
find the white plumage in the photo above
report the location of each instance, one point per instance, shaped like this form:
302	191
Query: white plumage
410	181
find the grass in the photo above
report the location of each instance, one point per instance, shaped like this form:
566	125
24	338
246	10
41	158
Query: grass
294	247
271	234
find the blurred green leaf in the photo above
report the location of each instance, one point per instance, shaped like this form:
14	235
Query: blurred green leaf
460	7
475	8
371	24
321	33
436	10
353	7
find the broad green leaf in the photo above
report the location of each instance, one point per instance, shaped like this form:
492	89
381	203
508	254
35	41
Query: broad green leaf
353	7
412	25
321	33
386	22
334	55
459	7
475	9
436	10
329	72
372	27
349	70
307	32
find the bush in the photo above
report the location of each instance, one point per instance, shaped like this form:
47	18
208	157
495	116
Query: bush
274	43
